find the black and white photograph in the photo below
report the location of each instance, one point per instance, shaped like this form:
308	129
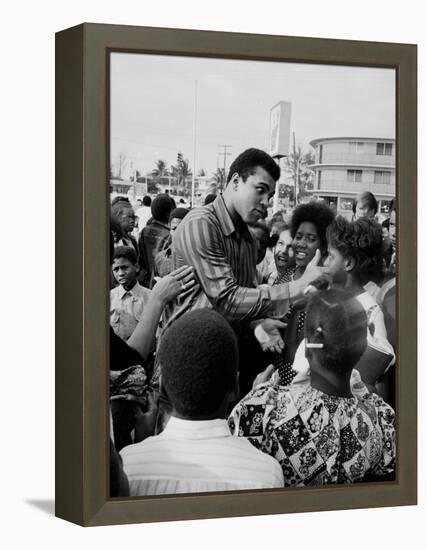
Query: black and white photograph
253	260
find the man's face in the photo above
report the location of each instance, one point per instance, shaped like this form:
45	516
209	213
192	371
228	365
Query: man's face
283	252
336	264
392	230
252	197
363	211
124	272
173	225
127	219
305	243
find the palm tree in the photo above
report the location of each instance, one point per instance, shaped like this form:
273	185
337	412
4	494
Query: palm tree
161	169
297	164
219	178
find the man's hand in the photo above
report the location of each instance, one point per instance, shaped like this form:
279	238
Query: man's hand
312	272
268	335
145	423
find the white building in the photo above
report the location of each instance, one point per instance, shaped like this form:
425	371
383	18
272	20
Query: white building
346	166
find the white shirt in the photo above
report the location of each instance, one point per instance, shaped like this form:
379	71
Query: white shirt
195	457
126	308
144	214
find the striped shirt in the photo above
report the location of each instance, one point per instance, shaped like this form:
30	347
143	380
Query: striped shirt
224	257
195	457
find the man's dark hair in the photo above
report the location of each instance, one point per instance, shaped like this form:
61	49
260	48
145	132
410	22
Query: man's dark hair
119	198
127	252
248	161
316	212
198	357
161	207
178	213
146	201
368	199
362	241
336	319
210	197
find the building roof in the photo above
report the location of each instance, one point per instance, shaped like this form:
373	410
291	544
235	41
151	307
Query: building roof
315	141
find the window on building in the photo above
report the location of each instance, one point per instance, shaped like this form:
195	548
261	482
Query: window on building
346	204
384	149
356	146
354	175
319	178
381	176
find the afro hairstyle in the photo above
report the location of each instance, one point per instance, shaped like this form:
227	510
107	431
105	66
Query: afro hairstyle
316	212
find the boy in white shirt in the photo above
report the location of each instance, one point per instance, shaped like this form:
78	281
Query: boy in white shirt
128	299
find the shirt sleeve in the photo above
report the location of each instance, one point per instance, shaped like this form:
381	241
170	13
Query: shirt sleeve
201	245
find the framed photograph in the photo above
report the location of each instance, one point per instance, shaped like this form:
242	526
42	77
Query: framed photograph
173	147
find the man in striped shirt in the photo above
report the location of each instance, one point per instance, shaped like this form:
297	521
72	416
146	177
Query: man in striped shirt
196	451
215	240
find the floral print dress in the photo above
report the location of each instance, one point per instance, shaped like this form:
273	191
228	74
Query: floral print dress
318	439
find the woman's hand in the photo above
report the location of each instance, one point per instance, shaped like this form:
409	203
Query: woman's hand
179	281
268	335
263	376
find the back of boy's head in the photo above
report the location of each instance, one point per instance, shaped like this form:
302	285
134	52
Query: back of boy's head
127	252
368	199
161	207
146	200
336	319
248	161
361	240
198	357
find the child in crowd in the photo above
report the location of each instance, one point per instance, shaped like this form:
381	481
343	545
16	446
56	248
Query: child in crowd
321	433
196	451
128	299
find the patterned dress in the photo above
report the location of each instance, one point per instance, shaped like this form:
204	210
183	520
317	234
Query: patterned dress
318	439
282	361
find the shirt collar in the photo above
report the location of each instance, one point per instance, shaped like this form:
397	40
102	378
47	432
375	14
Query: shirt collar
177	428
135	290
223	215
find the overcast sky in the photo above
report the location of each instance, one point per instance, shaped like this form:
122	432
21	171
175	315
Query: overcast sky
152	105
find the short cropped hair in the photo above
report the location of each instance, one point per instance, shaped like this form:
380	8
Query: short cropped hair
210	197
316	212
368	199
178	213
336	319
127	252
146	201
248	161
161	207
120	206
198	357
362	241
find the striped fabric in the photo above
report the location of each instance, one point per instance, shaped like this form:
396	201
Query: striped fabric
195	457
224	257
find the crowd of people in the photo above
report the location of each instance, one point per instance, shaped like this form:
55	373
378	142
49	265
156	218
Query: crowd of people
250	350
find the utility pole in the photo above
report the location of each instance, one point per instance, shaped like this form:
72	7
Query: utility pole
225	154
296	171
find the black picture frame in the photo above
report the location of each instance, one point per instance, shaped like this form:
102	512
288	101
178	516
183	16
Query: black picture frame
82	285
